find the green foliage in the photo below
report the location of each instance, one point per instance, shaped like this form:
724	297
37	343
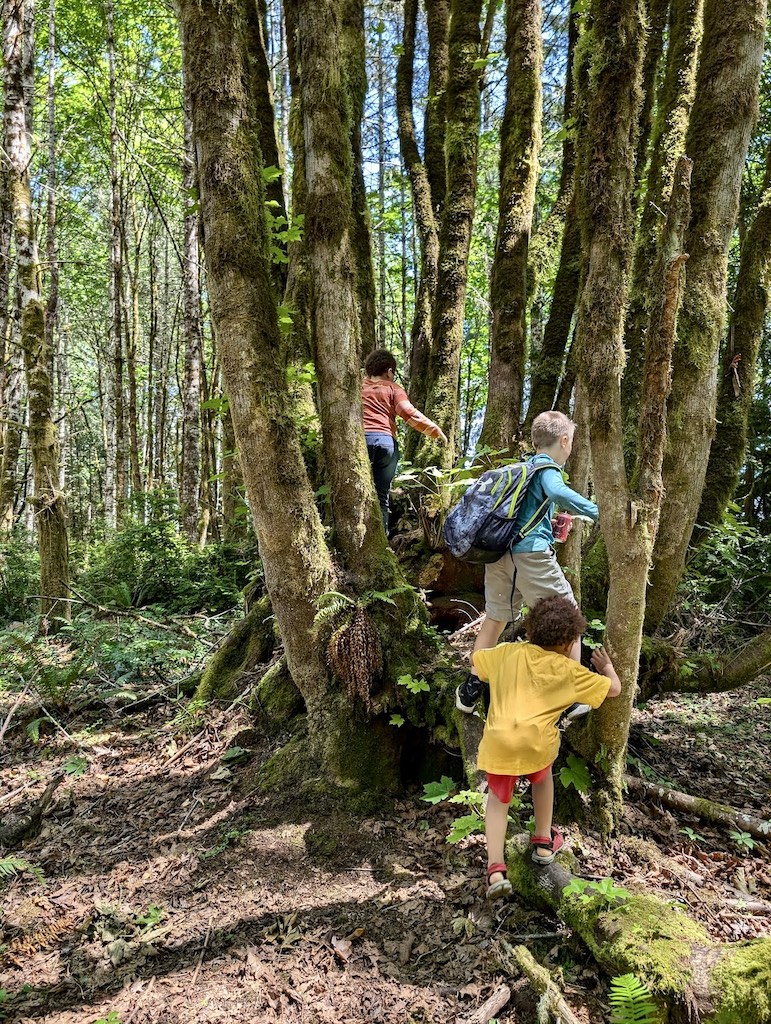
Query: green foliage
693	836
631	1002
228	838
435	792
75	766
589	639
464	826
12	866
396	720
235	755
602	893
728	584
150	562
576	774
19	577
112	1018
101	658
742	839
415	686
150	917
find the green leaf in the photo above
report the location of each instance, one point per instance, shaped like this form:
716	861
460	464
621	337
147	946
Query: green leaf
576	774
396	720
75	765
270	174
434	792
235	755
465	826
33	729
413	685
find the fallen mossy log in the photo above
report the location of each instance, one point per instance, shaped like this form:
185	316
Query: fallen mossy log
691	977
666	669
708	810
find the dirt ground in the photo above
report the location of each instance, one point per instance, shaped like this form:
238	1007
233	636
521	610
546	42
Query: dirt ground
171	892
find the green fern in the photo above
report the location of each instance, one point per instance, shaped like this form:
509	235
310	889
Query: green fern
632	1002
11	866
386	595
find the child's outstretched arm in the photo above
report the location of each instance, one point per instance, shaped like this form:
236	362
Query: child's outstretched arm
601	661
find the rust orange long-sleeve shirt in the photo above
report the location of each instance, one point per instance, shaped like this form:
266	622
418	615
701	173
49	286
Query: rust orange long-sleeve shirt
383	401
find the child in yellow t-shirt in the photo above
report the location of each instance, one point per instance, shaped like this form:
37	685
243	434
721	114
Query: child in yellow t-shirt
531	684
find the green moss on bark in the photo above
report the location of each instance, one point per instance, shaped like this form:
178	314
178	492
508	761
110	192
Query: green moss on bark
250	642
743	980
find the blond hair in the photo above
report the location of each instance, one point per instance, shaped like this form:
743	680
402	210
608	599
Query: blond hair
549	427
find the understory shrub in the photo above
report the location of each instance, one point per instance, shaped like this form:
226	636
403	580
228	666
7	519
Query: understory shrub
148	562
19	578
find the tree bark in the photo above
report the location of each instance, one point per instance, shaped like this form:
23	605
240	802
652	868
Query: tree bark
190	484
118	420
461	155
520	144
629	516
674	104
332	252
664	670
423	203
297	562
736	386
724	111
50	517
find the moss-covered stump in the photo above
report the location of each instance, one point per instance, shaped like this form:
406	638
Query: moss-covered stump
692	977
249	643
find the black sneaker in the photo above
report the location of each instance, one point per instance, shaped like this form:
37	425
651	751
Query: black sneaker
573	712
467	694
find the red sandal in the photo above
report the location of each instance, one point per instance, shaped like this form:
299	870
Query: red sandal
554	843
496	890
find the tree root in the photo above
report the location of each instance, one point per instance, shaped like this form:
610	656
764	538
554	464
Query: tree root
666	669
490	1007
721	814
17	826
692	977
551	997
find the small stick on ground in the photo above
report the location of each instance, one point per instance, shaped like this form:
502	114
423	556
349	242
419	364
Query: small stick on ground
539	978
16	703
203	950
490	1007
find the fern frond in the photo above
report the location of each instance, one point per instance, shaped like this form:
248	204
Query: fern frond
386	595
333	596
632	1002
329	612
11	866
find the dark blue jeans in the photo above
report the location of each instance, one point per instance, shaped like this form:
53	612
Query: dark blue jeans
384	457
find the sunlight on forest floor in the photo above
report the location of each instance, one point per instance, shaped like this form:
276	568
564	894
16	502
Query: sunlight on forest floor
170	894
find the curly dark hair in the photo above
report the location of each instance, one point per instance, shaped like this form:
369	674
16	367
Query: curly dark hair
379	362
554	621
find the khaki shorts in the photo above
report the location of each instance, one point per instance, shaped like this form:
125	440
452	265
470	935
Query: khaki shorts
538	574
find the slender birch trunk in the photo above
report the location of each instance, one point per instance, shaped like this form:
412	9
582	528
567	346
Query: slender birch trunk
48	500
118	417
190	482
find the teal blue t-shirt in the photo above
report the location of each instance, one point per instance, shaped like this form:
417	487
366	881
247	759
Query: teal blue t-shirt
549	483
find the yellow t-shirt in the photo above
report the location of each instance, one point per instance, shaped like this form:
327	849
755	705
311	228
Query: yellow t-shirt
529	690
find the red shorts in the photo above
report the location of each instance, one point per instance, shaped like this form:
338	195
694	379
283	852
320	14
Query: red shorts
503	785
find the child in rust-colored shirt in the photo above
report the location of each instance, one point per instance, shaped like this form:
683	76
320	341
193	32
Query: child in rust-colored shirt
382	401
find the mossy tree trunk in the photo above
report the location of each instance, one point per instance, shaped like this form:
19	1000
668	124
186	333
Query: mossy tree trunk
739	364
426	178
548	363
520	144
722	117
298	563
461	152
332	103
629	511
50	517
11	367
673	104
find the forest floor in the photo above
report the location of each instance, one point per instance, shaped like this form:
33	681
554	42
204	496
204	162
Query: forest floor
173	891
